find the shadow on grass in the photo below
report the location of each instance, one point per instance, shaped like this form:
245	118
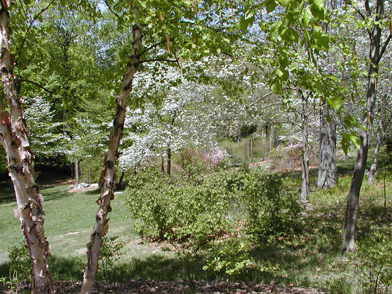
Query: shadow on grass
7	194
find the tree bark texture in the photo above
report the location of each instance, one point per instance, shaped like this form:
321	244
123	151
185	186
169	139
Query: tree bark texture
375	54
327	170
373	167
305	155
108	174
20	165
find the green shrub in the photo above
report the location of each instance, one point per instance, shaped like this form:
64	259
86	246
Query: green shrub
192	163
179	211
110	253
19	267
168	210
272	206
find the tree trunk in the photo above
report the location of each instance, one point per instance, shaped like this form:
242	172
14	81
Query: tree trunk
76	168
168	167
305	155
120	181
20	166
108	174
162	164
327	171
375	54
373	167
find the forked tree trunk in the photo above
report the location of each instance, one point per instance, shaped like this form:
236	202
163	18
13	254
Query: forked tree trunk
20	165
375	54
327	171
108	175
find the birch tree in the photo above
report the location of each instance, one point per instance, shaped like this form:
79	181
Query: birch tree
176	26
20	165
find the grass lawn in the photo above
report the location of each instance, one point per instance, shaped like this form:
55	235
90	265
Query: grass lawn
69	222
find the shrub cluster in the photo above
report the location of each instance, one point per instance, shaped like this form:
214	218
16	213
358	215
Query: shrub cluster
261	204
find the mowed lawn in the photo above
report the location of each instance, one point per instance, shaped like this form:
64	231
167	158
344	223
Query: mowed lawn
69	222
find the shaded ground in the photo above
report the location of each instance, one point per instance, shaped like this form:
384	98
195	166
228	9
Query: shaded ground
141	286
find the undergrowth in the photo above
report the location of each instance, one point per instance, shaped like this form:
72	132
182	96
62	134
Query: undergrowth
245	226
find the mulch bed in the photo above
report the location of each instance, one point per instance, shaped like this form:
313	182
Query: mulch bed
142	286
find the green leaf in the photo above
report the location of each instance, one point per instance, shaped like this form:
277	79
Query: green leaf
306	16
349	121
284	2
335	102
347	139
319	4
270	6
333	78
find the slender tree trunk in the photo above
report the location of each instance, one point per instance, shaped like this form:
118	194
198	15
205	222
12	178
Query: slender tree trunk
168	167
76	168
108	175
20	166
120	181
327	171
305	155
373	167
375	54
162	164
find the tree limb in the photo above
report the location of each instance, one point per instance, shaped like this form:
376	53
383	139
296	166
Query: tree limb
384	47
28	29
39	86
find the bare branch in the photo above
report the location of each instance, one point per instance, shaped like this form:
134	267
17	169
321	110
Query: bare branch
384	47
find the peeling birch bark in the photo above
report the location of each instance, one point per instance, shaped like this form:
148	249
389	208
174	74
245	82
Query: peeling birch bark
108	174
20	165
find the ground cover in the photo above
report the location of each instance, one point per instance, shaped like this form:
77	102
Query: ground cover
299	263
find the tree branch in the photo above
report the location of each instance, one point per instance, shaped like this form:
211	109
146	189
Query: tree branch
39	86
28	29
151	47
111	10
360	13
158	59
384	47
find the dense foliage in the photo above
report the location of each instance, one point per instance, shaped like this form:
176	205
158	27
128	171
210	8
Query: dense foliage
263	205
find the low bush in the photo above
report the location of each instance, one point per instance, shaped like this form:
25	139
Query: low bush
19	267
218	220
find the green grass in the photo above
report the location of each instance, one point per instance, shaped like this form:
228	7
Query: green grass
69	222
311	258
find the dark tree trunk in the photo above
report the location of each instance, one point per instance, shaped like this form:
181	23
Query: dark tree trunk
168	167
327	171
373	167
375	54
162	164
120	181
